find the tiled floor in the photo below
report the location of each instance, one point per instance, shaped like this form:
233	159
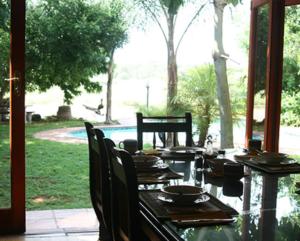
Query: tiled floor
59	225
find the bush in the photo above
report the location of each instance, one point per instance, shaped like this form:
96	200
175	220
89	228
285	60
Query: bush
197	94
290	109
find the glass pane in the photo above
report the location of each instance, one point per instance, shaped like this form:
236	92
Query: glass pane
5	186
262	27
290	104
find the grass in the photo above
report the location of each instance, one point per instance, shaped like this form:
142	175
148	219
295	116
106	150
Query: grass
4	167
56	173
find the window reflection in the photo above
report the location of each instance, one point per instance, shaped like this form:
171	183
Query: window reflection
262	27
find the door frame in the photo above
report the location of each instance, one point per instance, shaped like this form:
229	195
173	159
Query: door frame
12	220
273	72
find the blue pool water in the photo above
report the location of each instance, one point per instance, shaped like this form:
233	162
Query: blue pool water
114	133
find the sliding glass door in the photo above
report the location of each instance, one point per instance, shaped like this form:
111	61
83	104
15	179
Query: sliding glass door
12	152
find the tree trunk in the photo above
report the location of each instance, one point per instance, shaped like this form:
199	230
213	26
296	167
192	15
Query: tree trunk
219	57
172	67
110	72
204	122
172	73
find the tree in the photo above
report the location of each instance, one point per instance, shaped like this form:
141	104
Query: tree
220	58
64	46
197	93
117	24
168	11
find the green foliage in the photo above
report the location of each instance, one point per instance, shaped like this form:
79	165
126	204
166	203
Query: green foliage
290	109
172	5
238	92
67	43
197	94
63	46
291	63
151	110
291	75
292	30
115	24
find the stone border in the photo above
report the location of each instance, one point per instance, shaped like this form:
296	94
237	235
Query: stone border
61	135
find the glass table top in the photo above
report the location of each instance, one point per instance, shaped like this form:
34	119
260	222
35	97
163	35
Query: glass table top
268	205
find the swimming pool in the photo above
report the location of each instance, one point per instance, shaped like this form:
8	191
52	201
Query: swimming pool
120	133
116	133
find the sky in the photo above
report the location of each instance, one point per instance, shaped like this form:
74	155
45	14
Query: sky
149	46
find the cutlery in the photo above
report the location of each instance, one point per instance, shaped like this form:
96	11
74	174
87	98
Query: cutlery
204	220
162	176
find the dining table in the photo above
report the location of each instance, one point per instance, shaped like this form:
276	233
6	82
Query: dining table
263	206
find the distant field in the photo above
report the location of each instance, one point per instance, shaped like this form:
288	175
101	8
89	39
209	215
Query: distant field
129	87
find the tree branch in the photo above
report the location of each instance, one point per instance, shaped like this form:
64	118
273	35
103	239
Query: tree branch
156	20
189	25
164	10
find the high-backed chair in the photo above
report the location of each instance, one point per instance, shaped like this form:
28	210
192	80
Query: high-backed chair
99	181
162	125
126	212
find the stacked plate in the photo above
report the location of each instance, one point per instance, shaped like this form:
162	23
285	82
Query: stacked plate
183	195
148	161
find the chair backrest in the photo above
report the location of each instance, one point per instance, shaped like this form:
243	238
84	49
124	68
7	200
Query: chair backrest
164	124
126	212
99	177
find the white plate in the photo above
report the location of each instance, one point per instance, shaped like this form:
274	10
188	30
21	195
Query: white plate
202	198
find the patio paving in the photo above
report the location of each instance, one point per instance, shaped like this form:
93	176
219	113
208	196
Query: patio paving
59	225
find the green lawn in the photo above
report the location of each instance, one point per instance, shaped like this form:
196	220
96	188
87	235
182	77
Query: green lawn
4	167
56	173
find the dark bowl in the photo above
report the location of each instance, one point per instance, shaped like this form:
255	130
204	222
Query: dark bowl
182	193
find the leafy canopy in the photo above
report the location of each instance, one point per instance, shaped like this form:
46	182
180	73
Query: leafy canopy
68	42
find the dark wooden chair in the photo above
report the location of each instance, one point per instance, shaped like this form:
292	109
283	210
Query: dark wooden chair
99	179
126	211
163	125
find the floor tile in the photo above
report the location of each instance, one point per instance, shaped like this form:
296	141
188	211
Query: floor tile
59	225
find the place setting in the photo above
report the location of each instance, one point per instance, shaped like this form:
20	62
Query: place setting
186	205
272	162
152	170
181	152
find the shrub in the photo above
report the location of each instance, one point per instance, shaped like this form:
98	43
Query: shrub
290	109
